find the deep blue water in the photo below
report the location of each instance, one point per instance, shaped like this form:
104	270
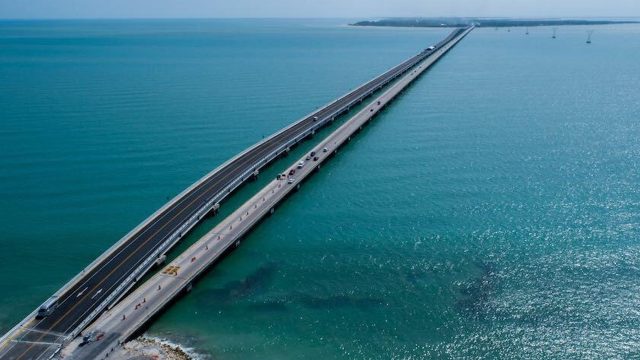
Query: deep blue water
492	211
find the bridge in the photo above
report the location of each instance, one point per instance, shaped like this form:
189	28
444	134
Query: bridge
115	326
116	271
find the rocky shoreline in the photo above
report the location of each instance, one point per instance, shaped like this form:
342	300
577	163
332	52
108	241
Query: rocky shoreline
151	348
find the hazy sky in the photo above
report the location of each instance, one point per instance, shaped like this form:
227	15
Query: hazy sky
313	8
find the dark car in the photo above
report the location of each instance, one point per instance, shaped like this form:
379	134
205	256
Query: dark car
313	153
291	172
315	158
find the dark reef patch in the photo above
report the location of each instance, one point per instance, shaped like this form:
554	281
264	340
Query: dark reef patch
338	301
415	277
268	306
254	284
474	294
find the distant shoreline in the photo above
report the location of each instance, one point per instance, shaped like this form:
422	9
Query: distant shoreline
461	22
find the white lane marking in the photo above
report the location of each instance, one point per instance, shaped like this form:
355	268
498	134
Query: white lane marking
96	294
82	292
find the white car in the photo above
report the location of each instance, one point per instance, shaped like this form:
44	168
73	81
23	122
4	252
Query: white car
300	164
291	180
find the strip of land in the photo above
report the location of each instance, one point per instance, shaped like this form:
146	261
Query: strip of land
486	22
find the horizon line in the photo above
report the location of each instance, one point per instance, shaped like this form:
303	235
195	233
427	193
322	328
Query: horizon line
319	18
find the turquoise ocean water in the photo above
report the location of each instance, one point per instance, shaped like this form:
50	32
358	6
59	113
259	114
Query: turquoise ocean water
493	211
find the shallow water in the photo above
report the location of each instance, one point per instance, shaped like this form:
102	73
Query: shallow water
491	212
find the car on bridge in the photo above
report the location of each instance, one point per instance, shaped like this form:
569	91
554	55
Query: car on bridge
47	308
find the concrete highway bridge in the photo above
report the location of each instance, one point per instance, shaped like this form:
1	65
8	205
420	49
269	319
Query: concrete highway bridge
105	281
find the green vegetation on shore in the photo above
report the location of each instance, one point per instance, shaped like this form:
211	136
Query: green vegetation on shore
484	22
